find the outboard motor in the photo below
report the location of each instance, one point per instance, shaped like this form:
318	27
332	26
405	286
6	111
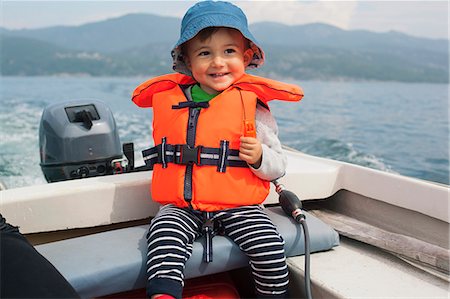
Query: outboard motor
78	139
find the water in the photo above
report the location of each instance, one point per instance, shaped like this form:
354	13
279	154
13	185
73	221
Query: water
394	127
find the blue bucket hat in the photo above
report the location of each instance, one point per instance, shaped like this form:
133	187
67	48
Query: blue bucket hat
213	14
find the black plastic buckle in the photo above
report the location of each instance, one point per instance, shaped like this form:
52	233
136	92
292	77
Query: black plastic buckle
189	155
208	226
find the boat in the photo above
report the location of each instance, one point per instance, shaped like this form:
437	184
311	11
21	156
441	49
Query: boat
373	233
394	230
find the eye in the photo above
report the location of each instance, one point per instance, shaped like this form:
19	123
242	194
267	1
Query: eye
230	51
203	53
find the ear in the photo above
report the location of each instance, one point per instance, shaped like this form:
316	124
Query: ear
248	55
187	62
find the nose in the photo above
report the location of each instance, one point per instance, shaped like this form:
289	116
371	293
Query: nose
217	61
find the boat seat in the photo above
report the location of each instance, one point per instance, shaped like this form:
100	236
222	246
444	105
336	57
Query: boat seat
115	261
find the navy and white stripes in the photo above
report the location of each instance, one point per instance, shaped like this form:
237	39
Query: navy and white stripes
173	231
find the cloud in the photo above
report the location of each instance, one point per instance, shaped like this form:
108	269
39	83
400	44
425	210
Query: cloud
419	18
300	12
35	14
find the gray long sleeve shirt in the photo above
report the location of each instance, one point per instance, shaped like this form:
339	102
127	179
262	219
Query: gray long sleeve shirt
273	164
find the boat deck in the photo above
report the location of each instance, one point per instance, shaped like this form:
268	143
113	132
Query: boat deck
358	270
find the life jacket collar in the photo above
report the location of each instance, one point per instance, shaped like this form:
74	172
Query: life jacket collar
265	89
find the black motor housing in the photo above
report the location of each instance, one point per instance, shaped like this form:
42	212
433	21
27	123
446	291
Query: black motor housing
78	139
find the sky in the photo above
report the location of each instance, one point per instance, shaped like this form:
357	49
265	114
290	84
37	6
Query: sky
418	18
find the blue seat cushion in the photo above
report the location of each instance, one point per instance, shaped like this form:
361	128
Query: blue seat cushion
115	261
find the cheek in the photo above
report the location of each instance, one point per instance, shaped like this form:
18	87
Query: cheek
197	70
239	67
199	67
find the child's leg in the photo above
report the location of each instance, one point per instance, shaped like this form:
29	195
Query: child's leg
170	238
251	229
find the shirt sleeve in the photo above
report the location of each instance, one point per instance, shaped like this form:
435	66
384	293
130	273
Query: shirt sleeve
273	164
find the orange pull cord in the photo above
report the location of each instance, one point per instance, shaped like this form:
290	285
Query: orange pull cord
249	124
249	128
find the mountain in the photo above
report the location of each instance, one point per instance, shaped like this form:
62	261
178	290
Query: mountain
112	35
140	44
324	35
30	57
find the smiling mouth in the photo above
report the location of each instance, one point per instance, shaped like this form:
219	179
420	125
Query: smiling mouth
218	75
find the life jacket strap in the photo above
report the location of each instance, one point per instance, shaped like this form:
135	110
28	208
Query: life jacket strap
200	155
224	152
209	232
191	104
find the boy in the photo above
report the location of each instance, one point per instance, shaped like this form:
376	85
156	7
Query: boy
212	163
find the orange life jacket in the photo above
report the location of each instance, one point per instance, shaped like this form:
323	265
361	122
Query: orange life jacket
196	151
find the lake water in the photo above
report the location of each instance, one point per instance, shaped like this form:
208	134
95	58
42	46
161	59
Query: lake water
395	127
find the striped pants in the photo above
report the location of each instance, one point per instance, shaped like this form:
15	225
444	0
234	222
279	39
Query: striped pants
173	231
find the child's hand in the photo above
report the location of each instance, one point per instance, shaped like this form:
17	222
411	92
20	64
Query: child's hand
250	151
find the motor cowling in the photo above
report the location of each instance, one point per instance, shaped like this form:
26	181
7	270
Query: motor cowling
78	139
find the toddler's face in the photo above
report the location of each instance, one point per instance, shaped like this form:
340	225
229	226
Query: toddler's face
218	61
